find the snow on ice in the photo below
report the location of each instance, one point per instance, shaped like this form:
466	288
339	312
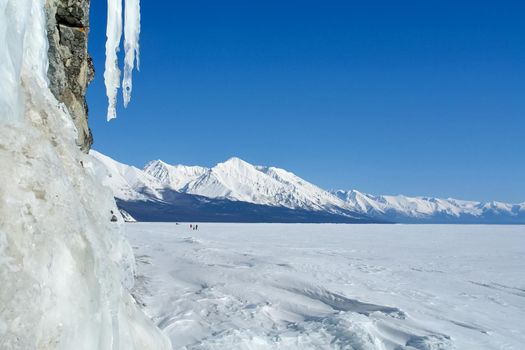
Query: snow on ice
277	286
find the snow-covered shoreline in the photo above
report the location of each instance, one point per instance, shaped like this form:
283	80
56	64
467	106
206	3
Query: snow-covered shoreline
275	286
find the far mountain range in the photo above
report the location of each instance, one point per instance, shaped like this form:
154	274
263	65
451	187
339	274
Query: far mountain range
237	191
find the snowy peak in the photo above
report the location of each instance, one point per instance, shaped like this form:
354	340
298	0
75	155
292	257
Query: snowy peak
359	201
235	162
235	169
236	179
239	181
430	209
158	169
173	176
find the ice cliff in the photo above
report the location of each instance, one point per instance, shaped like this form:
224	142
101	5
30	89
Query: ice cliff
64	265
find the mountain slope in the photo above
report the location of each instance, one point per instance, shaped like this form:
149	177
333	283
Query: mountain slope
235	190
127	182
431	210
173	176
176	206
303	193
238	180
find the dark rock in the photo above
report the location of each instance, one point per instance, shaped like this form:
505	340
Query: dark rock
70	66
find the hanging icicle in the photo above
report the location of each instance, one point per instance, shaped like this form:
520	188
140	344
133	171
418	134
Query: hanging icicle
131	48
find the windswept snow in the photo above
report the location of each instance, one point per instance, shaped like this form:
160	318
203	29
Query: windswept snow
367	287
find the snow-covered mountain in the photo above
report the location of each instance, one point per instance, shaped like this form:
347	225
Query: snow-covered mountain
176	177
230	191
429	209
236	181
128	182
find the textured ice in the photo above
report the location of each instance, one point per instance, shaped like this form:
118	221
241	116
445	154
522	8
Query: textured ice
352	287
65	268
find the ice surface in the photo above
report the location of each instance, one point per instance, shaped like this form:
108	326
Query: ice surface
65	267
274	286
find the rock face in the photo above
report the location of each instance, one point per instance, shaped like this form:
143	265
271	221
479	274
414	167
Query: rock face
70	67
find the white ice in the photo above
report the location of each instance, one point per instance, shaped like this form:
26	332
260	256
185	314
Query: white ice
65	267
274	286
131	48
131	45
112	71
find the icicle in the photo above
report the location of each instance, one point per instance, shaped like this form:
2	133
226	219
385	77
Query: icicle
131	45
112	72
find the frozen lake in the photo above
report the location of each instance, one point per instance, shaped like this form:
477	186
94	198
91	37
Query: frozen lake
273	286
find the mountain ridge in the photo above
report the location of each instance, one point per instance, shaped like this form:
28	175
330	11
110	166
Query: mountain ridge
264	188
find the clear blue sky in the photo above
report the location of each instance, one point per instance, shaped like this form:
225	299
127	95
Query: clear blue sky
388	97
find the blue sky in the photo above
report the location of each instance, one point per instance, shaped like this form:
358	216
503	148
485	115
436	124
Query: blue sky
388	97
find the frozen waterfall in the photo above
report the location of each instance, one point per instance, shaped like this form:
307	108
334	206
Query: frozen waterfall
65	267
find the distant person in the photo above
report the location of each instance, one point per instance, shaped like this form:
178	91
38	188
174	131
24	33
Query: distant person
196	227
191	226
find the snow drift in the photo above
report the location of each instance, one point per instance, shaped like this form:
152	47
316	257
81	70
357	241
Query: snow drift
64	265
366	287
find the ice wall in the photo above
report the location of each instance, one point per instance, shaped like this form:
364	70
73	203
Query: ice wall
65	268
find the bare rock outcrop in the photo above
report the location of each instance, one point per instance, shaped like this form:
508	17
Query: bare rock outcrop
70	66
